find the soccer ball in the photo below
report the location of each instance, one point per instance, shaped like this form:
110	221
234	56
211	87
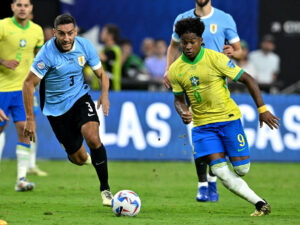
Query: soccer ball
126	203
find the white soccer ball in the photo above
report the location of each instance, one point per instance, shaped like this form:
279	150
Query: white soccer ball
126	203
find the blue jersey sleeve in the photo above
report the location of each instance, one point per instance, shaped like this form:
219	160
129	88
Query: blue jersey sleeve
175	36
231	31
92	56
41	64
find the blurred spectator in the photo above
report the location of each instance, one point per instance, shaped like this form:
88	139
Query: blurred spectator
156	64
148	47
132	65
244	62
266	62
48	33
111	55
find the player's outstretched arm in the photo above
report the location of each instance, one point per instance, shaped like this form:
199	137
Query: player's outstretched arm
182	109
172	55
104	82
264	115
28	89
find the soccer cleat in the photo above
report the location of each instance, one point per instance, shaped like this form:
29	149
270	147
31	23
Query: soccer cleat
107	197
37	171
202	195
23	185
262	209
213	195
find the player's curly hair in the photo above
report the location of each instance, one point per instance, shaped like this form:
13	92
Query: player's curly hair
189	25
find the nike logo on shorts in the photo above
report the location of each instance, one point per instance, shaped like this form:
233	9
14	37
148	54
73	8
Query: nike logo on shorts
91	114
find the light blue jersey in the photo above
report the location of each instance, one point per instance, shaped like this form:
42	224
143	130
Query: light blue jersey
219	26
63	74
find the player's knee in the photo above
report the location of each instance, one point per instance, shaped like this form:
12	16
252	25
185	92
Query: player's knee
93	141
241	167
242	170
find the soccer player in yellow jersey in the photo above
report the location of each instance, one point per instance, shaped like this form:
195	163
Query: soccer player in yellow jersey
20	40
217	130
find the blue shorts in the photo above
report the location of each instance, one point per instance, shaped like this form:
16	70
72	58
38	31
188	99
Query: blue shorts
227	137
12	103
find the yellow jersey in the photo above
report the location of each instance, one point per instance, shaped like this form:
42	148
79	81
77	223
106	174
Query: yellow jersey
204	82
17	42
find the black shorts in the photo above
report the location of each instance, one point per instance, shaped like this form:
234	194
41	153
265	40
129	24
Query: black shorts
67	127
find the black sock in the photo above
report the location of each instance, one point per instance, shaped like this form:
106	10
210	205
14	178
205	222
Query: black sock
99	161
201	169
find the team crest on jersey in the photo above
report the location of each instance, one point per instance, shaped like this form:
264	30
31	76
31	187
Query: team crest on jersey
195	80
22	43
41	65
231	64
213	28
81	60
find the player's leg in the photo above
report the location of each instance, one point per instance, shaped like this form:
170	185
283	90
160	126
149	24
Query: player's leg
2	140
202	193
23	145
237	149
32	167
205	141
90	131
88	122
23	154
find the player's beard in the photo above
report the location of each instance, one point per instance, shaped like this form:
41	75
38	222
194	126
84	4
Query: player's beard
202	4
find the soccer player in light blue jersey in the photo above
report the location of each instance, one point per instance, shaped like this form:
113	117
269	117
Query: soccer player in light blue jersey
65	99
220	28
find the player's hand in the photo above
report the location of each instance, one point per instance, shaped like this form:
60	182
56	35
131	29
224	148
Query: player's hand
103	100
228	50
10	64
29	130
167	82
269	119
3	116
186	117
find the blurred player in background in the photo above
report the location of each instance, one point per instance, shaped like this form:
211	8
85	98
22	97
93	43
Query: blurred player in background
217	130
20	40
220	29
111	56
65	99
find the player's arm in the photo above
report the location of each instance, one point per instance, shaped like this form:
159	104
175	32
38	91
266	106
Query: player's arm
172	54
30	83
104	82
182	109
264	115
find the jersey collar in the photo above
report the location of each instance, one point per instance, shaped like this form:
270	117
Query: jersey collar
18	25
207	16
197	59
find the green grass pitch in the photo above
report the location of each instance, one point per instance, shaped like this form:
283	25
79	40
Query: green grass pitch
70	195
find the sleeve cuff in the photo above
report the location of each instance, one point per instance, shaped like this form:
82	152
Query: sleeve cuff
238	75
98	66
178	93
234	40
39	75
